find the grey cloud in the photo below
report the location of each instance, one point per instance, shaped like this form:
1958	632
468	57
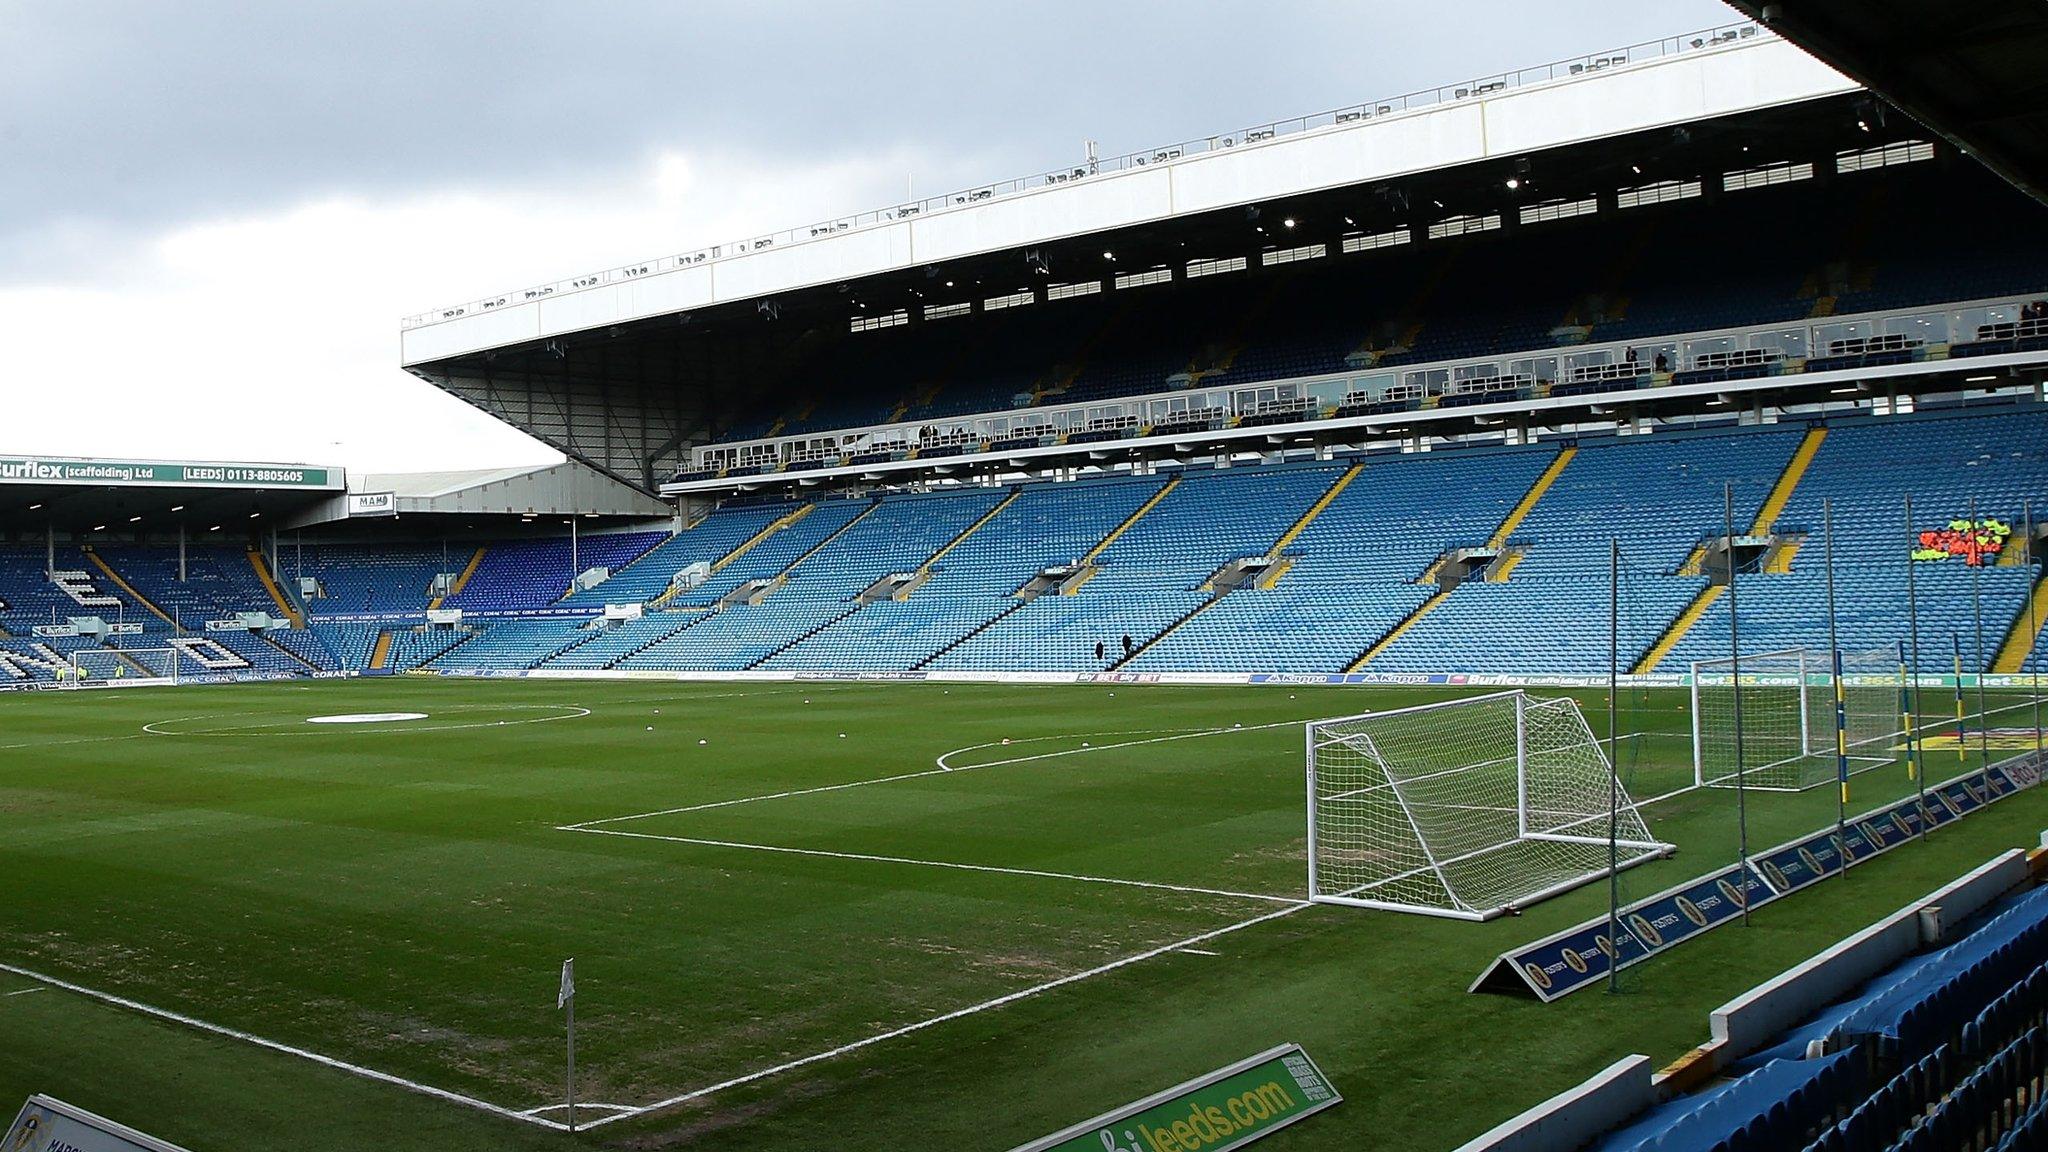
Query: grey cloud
123	116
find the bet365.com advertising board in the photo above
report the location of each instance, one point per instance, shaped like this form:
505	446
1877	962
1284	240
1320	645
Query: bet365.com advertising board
1226	1109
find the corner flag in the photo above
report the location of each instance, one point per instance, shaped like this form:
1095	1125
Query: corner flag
565	997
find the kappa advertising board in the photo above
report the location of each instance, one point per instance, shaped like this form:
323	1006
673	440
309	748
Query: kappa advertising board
158	473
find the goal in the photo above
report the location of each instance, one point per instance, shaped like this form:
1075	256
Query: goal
1467	808
102	667
1789	717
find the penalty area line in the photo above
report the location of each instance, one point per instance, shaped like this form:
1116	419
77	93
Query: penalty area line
1042	874
280	1047
957	1014
61	743
943	768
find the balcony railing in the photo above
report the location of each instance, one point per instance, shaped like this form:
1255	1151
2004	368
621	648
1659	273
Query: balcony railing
1952	331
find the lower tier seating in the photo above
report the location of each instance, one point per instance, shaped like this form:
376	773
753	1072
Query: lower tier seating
1459	560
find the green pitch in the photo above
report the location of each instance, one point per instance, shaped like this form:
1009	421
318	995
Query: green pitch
852	917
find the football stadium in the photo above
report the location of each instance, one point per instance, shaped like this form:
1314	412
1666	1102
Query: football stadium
1507	616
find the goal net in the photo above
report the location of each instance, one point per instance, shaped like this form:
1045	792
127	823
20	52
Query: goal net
1789	717
92	667
1468	808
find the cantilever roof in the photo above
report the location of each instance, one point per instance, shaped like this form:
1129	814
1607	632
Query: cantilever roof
568	489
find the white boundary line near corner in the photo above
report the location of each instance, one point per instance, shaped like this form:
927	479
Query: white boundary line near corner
908	860
563	1107
280	1047
956	1014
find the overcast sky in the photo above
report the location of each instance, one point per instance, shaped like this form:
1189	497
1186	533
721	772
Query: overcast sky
213	214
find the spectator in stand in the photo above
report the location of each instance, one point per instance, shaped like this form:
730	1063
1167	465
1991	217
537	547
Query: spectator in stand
1663	362
1127	644
1100	650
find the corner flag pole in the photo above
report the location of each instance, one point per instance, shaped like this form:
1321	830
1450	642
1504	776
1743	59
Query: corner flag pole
565	998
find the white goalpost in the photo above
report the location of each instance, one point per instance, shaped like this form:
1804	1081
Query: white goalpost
1792	738
127	667
1466	808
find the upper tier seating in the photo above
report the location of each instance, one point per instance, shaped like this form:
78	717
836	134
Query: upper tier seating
218	582
1152	574
350	644
413	647
605	648
514	645
1783	254
371	579
529	574
28	596
708	541
1045	526
890	534
1354	568
777	552
1660	495
1864	471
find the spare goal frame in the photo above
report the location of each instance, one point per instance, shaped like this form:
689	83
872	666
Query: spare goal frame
1468	808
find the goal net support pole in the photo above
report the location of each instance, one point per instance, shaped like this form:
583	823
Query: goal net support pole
1466	808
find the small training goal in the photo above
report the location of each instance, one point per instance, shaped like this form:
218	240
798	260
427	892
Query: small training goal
1467	808
1794	733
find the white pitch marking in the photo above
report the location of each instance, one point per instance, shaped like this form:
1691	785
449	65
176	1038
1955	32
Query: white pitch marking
287	1049
873	859
1185	734
367	718
943	767
26	991
579	1104
589	825
1200	952
60	743
290	727
945	757
957	1014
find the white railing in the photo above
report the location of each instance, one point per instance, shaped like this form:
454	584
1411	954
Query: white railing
1769	348
1475	88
